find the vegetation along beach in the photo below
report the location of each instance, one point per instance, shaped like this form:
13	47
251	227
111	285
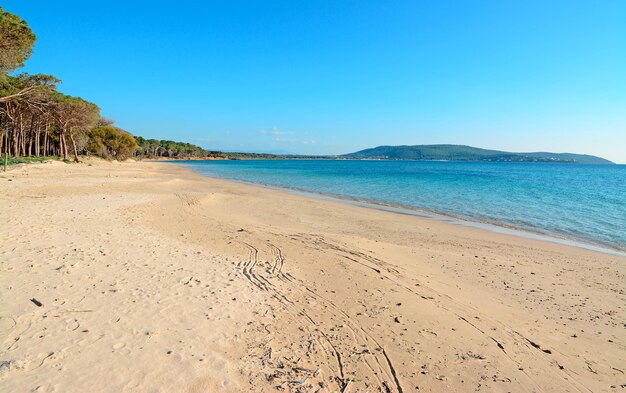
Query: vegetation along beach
364	246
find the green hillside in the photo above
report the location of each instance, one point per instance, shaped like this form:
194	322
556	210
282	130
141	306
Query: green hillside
468	153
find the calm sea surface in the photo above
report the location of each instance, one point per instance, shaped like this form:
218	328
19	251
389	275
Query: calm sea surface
579	202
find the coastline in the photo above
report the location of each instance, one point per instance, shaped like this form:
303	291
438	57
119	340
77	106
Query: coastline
250	288
496	227
492	226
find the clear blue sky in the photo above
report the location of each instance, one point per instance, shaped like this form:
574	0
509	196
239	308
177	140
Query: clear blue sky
337	76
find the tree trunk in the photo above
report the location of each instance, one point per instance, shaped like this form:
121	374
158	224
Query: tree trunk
74	147
31	135
62	146
37	140
6	148
45	141
16	143
22	136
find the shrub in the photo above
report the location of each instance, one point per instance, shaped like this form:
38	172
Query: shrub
111	143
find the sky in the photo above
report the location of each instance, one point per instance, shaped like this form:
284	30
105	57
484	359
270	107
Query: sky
332	77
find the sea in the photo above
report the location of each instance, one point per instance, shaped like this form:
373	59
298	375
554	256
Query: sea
585	204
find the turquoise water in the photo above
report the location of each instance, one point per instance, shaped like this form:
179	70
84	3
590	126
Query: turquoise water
580	202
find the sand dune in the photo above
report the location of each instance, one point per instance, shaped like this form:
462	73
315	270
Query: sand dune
154	279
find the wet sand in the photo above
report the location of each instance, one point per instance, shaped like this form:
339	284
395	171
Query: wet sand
152	278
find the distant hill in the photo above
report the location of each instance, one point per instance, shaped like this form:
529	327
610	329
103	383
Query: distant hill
468	153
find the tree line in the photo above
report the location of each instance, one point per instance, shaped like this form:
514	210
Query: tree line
37	120
153	148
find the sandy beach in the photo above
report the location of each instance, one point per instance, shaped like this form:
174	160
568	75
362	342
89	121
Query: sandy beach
146	277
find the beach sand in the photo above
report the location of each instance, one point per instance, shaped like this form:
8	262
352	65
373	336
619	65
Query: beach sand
154	279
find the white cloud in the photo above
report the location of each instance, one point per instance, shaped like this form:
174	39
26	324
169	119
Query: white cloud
276	131
288	137
281	139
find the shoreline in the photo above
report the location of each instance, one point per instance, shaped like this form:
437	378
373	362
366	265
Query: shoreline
151	277
491	226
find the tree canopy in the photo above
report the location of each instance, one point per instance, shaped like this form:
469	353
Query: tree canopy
111	142
16	41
